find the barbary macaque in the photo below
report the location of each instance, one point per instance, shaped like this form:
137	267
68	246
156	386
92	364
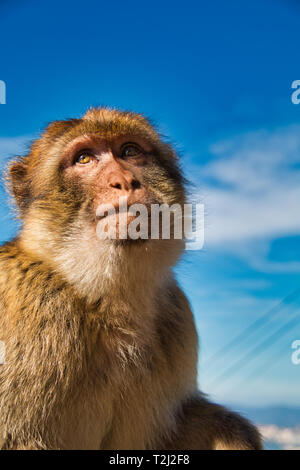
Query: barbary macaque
101	345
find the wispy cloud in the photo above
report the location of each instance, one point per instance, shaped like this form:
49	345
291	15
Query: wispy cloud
11	146
251	188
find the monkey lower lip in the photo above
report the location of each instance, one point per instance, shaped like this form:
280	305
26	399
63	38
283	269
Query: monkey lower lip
129	241
117	213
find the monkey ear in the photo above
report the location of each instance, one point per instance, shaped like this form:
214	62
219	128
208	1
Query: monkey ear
18	182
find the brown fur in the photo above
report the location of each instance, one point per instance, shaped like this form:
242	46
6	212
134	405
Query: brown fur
100	341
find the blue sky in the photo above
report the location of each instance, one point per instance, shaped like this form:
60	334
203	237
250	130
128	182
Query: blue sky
216	76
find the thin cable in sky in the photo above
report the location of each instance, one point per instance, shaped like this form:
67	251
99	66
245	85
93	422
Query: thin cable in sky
253	327
256	351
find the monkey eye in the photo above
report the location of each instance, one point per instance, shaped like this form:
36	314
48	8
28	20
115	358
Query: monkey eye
130	150
83	159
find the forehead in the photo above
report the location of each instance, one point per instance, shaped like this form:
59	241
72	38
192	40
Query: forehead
110	125
106	125
97	124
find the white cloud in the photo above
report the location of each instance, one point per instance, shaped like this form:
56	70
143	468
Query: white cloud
285	438
251	189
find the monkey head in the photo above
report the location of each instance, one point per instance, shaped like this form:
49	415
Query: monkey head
80	164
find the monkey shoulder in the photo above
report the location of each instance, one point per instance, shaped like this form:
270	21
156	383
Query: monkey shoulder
174	311
176	328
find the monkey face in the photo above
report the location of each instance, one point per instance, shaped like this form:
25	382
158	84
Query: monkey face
109	174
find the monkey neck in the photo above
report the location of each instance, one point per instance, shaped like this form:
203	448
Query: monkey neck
112	271
101	269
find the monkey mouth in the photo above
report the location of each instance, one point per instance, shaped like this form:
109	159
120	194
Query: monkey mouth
136	223
117	225
106	210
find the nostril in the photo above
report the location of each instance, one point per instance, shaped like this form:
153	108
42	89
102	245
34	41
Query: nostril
123	182
135	184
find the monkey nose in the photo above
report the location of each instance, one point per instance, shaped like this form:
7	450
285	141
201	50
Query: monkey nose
124	181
